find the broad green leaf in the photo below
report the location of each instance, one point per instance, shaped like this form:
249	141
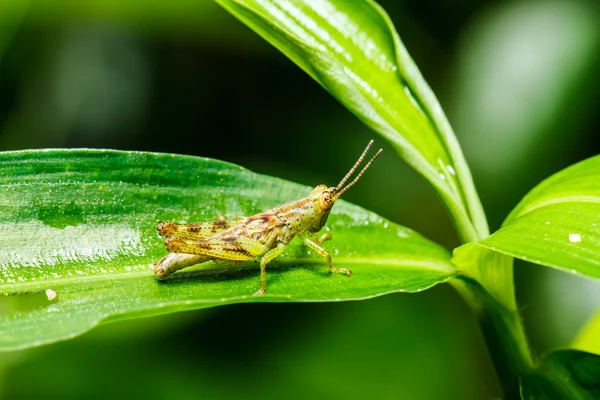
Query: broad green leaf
558	223
564	374
352	49
83	224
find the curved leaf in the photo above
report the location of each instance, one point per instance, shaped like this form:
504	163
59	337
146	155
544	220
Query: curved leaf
352	49
83	224
564	374
558	223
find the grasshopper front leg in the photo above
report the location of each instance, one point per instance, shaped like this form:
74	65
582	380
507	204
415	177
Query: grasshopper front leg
321	251
271	254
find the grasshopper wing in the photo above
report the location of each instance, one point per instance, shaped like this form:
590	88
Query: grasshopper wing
236	249
202	230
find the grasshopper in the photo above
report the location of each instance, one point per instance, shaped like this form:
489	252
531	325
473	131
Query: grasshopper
265	234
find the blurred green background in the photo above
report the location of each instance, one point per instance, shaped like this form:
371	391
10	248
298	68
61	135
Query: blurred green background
518	79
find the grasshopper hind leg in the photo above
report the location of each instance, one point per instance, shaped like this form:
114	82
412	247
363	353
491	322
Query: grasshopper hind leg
175	261
202	230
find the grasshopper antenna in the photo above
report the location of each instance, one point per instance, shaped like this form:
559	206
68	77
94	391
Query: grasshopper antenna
356	164
353	169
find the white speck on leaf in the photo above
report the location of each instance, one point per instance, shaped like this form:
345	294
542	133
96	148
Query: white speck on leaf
402	233
574	237
51	294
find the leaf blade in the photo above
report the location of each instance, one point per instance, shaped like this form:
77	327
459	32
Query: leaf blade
558	223
83	223
354	52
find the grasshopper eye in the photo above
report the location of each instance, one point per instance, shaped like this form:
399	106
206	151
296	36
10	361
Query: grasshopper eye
325	201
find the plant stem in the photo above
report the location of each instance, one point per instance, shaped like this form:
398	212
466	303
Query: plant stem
505	337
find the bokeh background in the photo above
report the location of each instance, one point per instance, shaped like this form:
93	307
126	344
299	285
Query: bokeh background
519	81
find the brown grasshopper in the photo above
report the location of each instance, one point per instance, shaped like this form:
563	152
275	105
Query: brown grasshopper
265	234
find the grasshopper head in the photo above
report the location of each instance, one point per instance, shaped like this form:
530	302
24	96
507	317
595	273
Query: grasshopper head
324	197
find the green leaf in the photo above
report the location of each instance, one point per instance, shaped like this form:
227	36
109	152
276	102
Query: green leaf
564	374
352	49
83	224
558	223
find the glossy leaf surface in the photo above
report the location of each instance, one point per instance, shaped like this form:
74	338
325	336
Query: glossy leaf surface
352	49
558	223
83	224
